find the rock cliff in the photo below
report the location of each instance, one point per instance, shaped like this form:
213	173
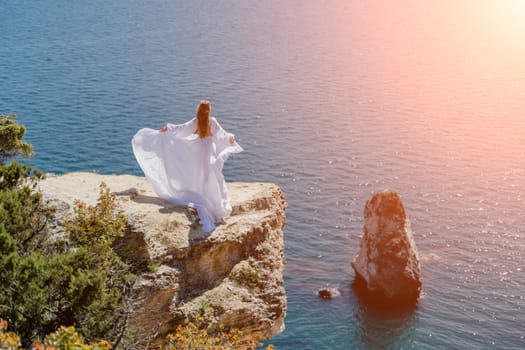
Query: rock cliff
387	265
233	275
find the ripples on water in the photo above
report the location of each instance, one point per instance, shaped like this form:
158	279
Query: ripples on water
332	101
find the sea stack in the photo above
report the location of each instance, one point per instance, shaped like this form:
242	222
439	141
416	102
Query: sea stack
387	265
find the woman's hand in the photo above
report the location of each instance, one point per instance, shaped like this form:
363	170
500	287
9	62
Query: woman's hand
232	139
164	129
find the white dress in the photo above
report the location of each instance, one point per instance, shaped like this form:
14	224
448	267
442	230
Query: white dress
187	170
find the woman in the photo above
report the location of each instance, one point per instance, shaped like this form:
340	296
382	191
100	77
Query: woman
184	164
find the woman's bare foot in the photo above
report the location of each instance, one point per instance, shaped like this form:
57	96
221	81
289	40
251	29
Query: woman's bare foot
221	222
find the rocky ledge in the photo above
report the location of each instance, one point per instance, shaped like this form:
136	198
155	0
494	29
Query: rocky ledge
233	275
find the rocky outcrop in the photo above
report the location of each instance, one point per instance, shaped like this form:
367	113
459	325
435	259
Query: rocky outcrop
387	265
328	292
233	274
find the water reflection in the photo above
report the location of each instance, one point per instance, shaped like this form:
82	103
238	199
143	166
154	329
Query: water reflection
380	326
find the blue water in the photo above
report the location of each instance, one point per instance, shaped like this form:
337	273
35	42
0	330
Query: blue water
332	100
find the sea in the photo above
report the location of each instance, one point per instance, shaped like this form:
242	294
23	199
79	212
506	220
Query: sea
331	100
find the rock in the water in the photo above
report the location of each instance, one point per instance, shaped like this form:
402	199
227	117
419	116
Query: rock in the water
387	265
233	274
328	293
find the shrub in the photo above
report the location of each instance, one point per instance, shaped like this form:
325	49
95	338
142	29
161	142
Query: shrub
99	225
8	340
76	283
66	338
247	275
11	135
82	286
195	336
205	335
95	294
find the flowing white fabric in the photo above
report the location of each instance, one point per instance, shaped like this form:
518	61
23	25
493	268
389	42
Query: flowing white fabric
187	170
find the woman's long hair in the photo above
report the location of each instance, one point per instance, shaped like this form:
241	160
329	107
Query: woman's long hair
203	119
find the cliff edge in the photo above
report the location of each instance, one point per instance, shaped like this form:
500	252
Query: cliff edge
233	274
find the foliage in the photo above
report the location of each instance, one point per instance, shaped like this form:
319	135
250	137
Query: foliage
153	266
191	336
66	338
205	335
8	340
82	286
11	135
45	285
247	275
99	225
22	211
23	218
95	294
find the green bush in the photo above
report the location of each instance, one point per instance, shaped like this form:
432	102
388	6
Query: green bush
11	135
82	286
95	294
79	282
